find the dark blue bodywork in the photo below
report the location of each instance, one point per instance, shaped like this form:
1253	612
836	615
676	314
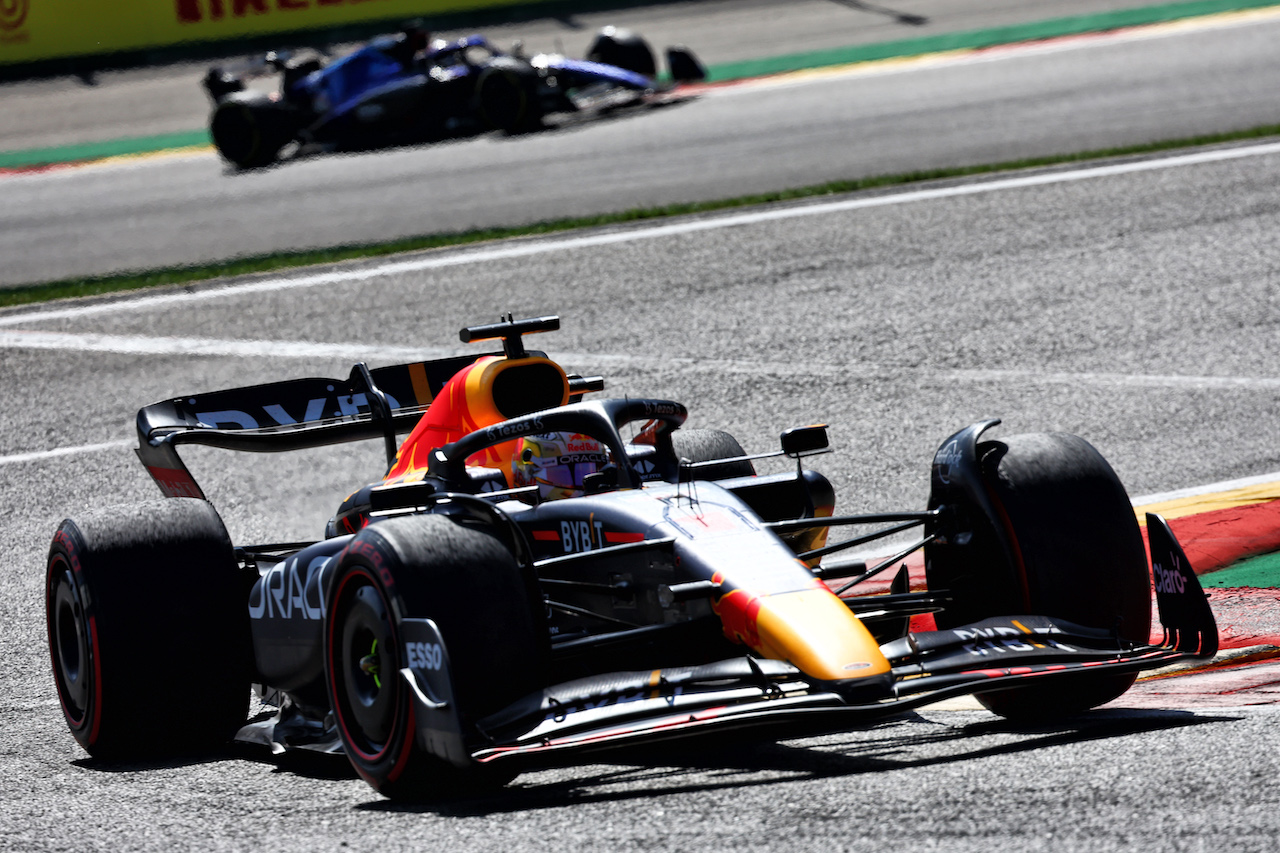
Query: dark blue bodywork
379	91
399	89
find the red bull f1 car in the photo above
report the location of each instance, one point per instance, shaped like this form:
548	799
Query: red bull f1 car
406	88
546	574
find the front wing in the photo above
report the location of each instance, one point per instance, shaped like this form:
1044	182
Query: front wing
622	710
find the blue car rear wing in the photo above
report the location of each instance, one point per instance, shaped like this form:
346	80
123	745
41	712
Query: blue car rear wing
293	415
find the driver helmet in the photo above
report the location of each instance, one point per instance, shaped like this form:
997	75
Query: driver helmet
557	463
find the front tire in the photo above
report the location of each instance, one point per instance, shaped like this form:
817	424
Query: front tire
623	49
1077	554
707	445
485	606
148	630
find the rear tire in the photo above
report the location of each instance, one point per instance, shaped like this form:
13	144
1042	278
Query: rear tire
706	445
471	586
249	129
149	630
1078	556
507	96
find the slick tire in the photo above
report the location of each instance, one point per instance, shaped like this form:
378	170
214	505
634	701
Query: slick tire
624	49
488	612
149	630
507	96
248	129
706	445
1078	556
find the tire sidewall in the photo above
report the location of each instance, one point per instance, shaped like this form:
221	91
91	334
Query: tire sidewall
1108	586
381	768
623	49
85	720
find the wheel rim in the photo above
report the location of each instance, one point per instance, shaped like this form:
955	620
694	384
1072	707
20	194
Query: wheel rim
364	666
69	643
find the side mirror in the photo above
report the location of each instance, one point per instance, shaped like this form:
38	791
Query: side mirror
805	441
604	480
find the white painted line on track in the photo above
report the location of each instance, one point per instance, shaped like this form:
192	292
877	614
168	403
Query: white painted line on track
1212	488
164	345
377	354
1111	379
516	249
43	455
1141	500
863	370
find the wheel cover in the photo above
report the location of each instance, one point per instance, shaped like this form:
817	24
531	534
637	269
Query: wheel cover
365	671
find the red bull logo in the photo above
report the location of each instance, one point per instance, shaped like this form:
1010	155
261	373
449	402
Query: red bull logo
195	11
582	444
738	612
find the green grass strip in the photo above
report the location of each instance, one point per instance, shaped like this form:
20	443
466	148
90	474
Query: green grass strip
76	287
972	40
1261	572
1035	31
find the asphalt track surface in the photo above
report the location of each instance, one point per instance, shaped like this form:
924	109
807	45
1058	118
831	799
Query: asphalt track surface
1137	307
1085	93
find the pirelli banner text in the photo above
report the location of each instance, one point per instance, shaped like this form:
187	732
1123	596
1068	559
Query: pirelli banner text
39	30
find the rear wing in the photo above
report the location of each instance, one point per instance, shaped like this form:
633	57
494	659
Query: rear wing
296	415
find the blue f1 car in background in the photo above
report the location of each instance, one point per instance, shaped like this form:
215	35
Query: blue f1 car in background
405	88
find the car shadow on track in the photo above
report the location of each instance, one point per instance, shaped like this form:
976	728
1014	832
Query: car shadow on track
309	765
905	743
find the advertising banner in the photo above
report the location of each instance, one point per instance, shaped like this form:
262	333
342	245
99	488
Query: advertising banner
38	30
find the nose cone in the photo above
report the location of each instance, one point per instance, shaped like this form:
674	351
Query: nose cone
810	629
